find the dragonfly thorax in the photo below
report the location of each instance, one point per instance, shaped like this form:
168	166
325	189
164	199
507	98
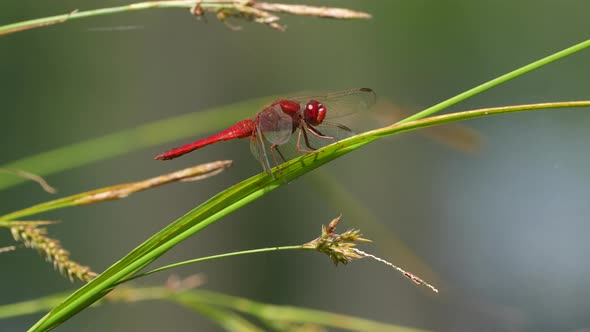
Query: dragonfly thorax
314	112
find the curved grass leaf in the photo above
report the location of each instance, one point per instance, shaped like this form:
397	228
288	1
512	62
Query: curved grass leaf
226	310
239	195
119	191
249	190
287	314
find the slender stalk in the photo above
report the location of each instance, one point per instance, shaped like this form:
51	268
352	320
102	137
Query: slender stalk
202	259
122	190
404	126
30	176
40	22
497	81
258	11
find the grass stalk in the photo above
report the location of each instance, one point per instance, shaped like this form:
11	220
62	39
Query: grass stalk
499	80
244	193
255	11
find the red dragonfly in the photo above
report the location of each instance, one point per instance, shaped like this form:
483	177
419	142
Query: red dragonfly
277	123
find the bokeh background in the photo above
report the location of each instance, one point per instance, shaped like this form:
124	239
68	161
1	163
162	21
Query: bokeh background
502	231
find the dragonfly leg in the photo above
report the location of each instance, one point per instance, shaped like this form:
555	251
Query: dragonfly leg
341	126
317	133
303	132
273	148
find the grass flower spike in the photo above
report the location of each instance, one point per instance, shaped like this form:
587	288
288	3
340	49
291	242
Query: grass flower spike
341	249
36	237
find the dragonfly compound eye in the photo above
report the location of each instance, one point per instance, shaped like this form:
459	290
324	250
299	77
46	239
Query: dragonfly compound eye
315	112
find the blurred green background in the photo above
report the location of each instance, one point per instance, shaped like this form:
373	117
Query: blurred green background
502	232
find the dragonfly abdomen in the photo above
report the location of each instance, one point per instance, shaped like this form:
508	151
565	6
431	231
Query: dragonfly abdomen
242	129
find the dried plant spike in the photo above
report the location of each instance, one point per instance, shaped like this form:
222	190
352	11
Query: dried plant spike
341	249
259	12
38	23
335	246
32	177
198	172
7	249
119	191
35	223
303	10
36	238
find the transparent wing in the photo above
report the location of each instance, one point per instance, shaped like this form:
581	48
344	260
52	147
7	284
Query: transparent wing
259	151
275	125
343	103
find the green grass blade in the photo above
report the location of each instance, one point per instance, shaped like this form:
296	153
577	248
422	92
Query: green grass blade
227	319
32	306
239	195
118	191
288	314
226	310
499	80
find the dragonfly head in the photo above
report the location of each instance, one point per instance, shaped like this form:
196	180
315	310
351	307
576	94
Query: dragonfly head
314	112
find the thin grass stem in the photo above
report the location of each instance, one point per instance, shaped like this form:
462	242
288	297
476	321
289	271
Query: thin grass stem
497	81
202	259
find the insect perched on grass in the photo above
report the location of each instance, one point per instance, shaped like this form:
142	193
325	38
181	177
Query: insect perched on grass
300	125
